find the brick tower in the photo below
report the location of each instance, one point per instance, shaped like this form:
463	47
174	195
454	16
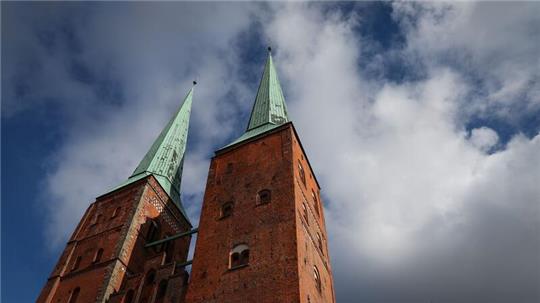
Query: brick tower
262	235
115	254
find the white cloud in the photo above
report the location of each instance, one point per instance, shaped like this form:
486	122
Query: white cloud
417	206
148	54
405	185
484	138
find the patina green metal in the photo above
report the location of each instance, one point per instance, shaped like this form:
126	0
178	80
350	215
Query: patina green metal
269	110
165	158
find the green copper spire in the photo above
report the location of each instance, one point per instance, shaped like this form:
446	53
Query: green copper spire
269	104
165	158
269	110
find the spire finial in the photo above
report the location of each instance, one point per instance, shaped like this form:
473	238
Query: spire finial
269	49
194	82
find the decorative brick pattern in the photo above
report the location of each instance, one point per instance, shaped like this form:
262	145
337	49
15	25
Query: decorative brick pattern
122	238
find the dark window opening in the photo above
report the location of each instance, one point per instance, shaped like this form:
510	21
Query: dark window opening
98	255
264	197
162	291
169	251
153	231
226	209
128	298
74	295
150	277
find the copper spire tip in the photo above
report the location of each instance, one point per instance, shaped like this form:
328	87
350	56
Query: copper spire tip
269	49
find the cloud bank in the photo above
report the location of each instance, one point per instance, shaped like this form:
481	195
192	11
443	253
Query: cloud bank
429	173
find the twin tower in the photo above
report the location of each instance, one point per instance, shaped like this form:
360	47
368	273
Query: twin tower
261	235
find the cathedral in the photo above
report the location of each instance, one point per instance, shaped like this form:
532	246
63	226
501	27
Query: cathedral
261	234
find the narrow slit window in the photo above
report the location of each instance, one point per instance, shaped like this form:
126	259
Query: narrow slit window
301	173
315	203
320	243
317	278
305	212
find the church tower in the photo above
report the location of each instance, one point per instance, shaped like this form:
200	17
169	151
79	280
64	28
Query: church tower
262	235
132	243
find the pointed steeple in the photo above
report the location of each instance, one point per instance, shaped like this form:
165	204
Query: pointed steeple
269	110
165	158
269	104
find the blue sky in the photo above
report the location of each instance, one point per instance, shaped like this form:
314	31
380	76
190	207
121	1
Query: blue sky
421	121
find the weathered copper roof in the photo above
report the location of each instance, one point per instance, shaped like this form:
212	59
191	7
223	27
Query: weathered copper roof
165	158
269	110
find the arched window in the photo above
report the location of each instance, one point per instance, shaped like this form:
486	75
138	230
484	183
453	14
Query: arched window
161	292
239	256
264	196
153	231
77	263
226	209
74	295
301	173
304	212
98	255
315	203
319	243
128	298
317	278
116	212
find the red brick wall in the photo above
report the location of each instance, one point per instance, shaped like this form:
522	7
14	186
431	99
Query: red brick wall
273	232
122	238
310	253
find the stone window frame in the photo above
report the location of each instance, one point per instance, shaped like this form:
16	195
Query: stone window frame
242	252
